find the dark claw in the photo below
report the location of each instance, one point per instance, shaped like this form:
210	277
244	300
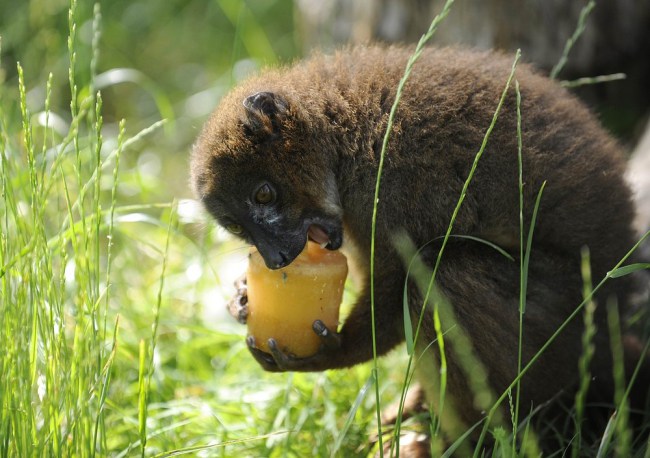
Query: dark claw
331	340
320	328
284	361
264	359
250	341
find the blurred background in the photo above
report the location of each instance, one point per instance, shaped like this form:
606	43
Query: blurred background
174	59
157	59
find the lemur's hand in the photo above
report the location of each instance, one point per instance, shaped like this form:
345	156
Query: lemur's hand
278	360
238	305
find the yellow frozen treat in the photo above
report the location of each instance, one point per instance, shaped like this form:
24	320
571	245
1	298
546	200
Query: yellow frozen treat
283	303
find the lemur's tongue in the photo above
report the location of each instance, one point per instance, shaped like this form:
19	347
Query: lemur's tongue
318	235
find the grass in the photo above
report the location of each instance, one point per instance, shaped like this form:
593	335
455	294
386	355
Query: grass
112	337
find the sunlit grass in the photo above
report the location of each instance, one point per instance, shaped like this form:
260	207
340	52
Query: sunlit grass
113	336
58	338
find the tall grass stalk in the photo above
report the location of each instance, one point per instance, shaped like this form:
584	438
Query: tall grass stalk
580	28
584	374
593	80
55	357
525	250
389	125
621	429
147	367
57	346
523	267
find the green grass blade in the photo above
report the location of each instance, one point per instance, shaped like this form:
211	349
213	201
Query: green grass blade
105	382
142	396
622	431
593	80
146	374
350	418
605	441
456	444
529	245
408	325
626	270
580	28
587	353
523	277
389	125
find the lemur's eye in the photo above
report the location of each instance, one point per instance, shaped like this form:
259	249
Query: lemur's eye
236	229
265	194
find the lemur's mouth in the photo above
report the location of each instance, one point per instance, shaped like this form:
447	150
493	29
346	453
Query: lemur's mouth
319	235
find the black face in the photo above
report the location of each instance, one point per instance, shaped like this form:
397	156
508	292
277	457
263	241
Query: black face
260	178
276	222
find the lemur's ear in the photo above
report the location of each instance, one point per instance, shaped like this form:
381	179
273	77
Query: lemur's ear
263	112
267	103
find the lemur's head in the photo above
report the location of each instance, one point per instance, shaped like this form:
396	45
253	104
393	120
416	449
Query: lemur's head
259	169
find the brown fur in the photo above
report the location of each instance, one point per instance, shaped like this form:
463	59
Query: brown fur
317	138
